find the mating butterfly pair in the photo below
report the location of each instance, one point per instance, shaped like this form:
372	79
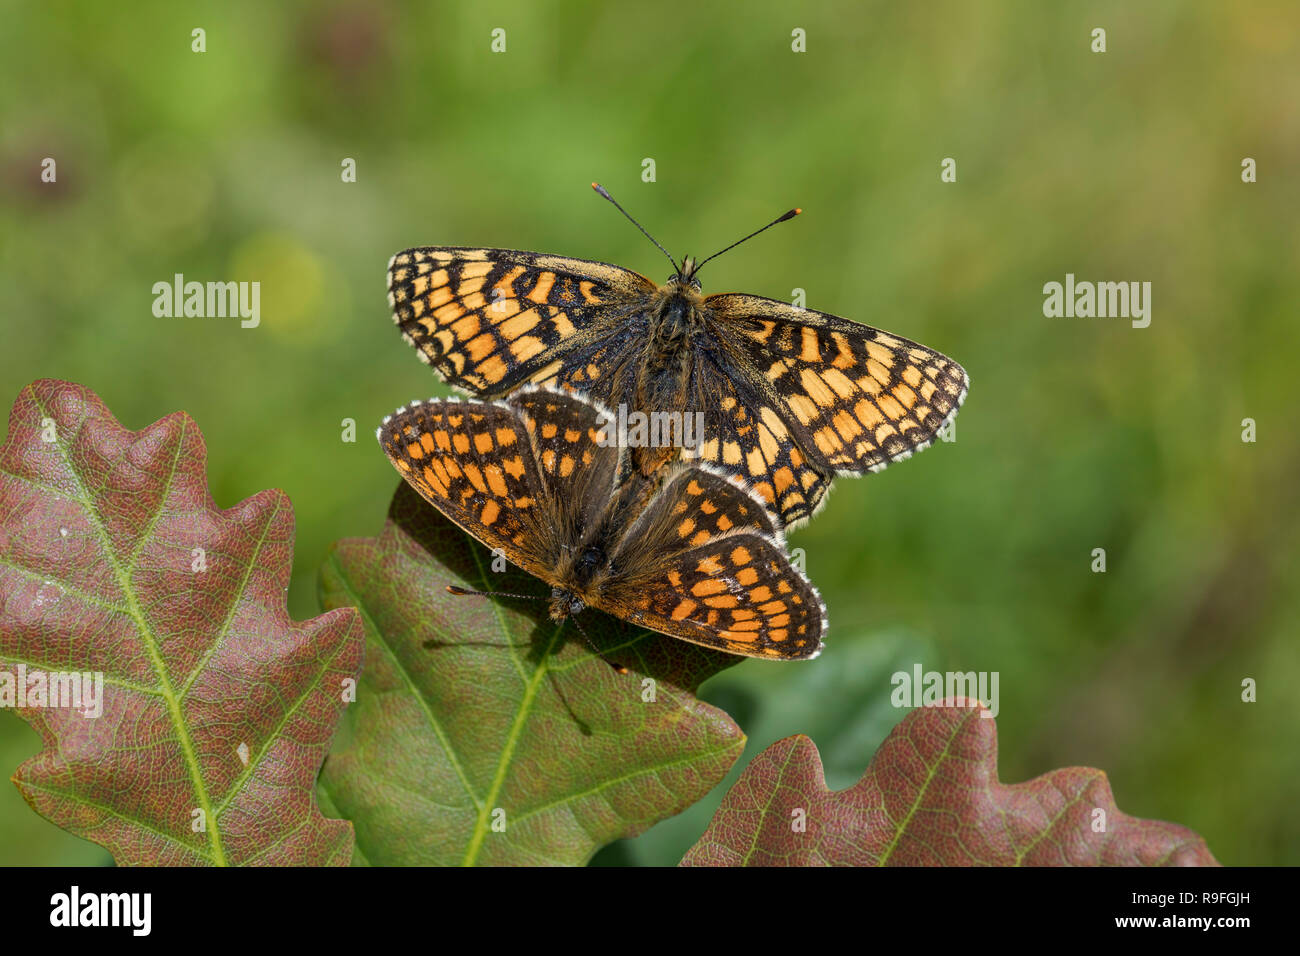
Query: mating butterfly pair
790	397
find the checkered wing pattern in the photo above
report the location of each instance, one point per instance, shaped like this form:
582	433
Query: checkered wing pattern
489	320
704	563
474	462
746	435
791	396
857	398
574	453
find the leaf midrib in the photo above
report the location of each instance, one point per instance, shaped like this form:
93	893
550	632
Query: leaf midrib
166	690
931	772
485	805
482	823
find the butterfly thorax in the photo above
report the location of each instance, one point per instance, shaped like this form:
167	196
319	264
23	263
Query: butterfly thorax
676	315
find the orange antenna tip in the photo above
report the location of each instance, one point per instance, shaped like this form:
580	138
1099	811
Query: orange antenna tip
605	194
782	218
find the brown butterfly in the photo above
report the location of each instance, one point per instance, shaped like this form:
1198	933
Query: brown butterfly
790	397
688	552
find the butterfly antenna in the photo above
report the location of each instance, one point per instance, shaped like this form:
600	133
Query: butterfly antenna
452	589
782	218
618	668
601	189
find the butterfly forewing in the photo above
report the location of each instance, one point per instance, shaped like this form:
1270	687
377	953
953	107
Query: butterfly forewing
866	398
604	371
790	397
491	319
473	461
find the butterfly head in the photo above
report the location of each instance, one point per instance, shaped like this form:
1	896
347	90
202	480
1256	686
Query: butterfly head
565	603
684	278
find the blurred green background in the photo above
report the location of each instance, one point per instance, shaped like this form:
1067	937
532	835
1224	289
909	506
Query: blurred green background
1078	433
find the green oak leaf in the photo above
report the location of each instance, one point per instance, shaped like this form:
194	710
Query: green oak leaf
841	701
931	797
216	709
486	733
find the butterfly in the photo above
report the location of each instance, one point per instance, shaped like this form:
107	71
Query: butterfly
690	552
791	397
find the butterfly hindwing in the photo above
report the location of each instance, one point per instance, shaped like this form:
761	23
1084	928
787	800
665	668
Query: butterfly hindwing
694	505
704	564
747	435
490	319
865	397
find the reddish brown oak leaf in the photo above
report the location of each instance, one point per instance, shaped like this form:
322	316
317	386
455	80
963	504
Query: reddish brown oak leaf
216	709
931	797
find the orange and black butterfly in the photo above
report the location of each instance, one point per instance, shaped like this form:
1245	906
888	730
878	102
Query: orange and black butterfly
689	552
790	397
